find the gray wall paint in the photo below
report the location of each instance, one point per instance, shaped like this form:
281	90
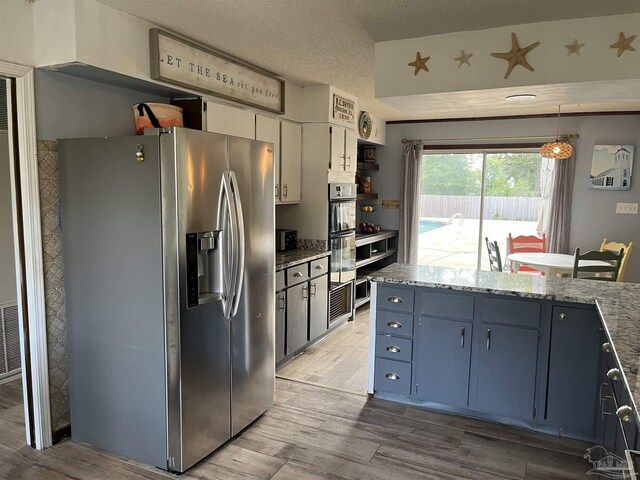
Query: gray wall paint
593	213
70	107
7	254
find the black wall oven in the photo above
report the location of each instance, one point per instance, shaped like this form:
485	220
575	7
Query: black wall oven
342	242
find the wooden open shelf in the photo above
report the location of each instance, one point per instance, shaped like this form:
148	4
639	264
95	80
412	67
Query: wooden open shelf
367	196
368	166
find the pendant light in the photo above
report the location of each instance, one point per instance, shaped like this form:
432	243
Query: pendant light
558	150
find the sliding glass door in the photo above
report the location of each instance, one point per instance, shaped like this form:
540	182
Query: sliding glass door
467	196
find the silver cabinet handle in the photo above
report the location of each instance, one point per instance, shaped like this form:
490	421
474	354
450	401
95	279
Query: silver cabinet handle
284	190
392	376
625	413
297	274
314	289
393	349
462	337
349	160
614	374
488	339
394	324
282	303
319	267
277	190
562	316
394	299
606	347
305	291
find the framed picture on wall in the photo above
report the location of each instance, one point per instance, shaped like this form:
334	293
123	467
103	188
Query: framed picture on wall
611	167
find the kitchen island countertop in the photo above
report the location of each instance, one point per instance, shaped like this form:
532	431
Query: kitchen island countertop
295	257
617	303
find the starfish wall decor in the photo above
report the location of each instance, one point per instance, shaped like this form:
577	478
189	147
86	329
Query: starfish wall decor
516	56
574	47
623	44
463	59
420	63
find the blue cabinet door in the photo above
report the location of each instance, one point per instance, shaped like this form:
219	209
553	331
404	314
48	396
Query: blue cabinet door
506	370
573	369
444	355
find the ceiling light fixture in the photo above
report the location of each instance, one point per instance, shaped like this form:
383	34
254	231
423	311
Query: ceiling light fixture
521	97
558	150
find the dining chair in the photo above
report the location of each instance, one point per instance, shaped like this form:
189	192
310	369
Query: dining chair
495	262
526	244
615	247
610	271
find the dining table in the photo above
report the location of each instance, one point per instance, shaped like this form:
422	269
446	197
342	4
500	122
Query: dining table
552	264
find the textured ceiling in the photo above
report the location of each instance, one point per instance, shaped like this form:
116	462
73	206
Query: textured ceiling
332	41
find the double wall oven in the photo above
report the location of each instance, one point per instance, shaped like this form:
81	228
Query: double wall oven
342	242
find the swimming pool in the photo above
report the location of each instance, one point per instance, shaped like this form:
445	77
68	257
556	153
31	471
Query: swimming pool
428	225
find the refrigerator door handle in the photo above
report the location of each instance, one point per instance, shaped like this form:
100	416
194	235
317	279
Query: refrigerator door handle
226	218
239	252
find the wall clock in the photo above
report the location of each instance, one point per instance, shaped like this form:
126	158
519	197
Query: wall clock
364	125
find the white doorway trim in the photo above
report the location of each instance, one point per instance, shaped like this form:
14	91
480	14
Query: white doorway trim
33	270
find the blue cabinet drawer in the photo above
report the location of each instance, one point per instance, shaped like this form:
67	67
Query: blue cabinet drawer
393	377
393	348
517	313
280	284
445	305
297	274
319	267
393	323
396	299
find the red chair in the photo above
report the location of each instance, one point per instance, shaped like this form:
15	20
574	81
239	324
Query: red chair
527	244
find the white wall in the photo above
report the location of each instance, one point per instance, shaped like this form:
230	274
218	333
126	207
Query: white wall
593	214
16	32
68	107
7	253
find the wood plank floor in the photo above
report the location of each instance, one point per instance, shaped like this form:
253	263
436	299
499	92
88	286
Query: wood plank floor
339	361
318	433
313	432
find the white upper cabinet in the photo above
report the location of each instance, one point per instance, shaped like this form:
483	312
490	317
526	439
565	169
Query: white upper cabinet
229	120
344	149
291	162
268	130
327	104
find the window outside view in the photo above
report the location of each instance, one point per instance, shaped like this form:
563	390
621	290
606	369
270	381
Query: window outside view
466	197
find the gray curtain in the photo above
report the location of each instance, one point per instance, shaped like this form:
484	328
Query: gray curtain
560	208
411	202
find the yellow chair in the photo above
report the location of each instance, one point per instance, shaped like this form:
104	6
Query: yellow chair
615	247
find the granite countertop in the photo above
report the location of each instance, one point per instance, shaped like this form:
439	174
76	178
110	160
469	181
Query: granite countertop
617	303
295	257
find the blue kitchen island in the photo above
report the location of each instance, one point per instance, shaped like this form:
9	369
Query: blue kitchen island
554	355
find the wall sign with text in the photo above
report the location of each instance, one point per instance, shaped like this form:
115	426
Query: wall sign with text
182	62
343	109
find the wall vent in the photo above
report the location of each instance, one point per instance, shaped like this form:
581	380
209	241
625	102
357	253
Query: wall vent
9	340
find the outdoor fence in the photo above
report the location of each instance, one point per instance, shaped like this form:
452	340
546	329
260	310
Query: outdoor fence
495	208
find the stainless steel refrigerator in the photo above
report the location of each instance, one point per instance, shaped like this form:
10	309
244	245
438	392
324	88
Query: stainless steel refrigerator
169	266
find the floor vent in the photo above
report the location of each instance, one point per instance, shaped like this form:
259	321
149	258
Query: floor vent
10	340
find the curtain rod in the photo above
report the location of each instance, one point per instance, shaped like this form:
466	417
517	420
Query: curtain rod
565	136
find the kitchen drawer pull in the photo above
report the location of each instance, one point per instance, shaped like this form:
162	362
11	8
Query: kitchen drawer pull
394	299
562	316
393	349
392	376
394	324
614	374
606	347
319	267
625	413
462	337
297	274
488	339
